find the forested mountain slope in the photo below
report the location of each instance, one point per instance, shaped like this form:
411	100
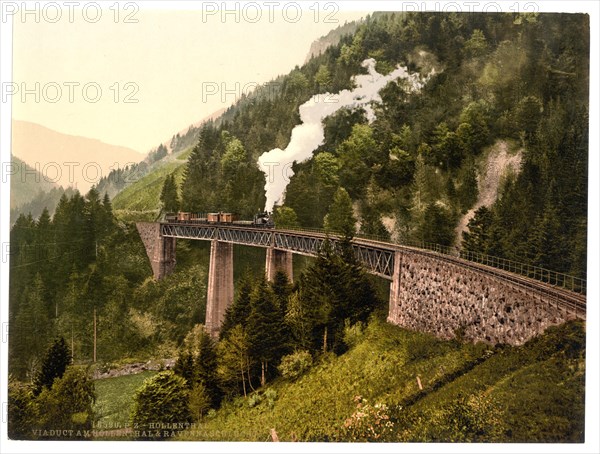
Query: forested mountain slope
517	77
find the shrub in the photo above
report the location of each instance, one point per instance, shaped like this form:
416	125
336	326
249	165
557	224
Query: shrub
161	401
69	403
55	362
471	419
199	401
20	410
294	365
271	396
254	399
353	334
367	423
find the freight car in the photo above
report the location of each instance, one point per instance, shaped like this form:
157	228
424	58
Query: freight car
263	220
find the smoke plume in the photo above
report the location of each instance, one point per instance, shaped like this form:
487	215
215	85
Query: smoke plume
307	136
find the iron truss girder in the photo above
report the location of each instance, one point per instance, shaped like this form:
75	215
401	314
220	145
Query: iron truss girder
377	260
298	243
189	232
251	237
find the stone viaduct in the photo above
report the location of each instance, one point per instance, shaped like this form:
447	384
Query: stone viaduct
429	291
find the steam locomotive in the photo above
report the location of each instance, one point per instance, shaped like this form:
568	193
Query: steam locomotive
263	220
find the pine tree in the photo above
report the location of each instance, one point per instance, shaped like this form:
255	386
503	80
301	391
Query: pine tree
205	368
477	238
93	212
184	367
437	226
264	326
107	216
234	361
334	289
32	328
197	363
237	313
299	323
168	196
54	365
340	218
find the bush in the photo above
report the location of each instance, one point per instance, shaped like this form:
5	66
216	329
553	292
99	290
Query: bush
353	334
199	401
55	362
367	423
271	396
254	399
20	410
69	403
160	402
472	419
294	365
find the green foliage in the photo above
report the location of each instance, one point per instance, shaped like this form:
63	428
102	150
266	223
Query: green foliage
473	419
264	326
66	407
237	312
323	78
356	155
340	218
467	191
197	364
334	289
234	361
27	345
285	217
436	225
353	334
20	410
478	234
145	191
477	45
295	365
55	362
528	114
200	401
168	196
69	403
161	401
221	175
368	423
470	392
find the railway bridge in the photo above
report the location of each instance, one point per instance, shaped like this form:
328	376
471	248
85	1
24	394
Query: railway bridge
441	293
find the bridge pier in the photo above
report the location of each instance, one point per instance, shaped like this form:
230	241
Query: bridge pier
278	260
160	249
220	285
394	303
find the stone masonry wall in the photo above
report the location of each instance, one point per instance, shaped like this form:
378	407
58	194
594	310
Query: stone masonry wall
439	297
160	250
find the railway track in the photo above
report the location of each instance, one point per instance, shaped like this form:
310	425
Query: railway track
573	303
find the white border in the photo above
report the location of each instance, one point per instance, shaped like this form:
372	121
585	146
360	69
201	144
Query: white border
592	378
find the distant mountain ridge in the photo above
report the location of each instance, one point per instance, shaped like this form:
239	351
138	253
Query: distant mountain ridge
65	159
332	38
25	183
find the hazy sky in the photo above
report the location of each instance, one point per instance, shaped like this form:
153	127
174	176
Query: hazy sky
171	61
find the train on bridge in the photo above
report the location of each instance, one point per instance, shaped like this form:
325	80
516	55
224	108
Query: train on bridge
262	220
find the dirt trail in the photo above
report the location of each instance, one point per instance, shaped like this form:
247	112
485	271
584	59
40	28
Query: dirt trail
498	163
